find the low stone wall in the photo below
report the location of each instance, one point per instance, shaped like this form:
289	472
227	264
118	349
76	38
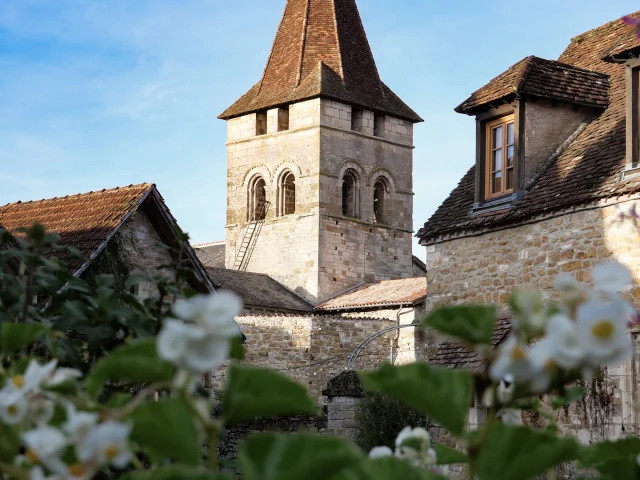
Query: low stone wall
312	349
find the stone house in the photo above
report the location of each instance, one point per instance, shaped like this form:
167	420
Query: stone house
129	223
553	188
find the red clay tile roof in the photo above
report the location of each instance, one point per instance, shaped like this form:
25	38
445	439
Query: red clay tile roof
83	221
545	79
588	170
385	292
321	49
453	355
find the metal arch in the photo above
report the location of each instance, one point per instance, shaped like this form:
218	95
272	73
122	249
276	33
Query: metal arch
354	355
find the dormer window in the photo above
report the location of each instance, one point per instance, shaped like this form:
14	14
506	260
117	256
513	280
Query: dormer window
500	156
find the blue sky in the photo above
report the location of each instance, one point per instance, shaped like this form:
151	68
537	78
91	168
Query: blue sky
100	93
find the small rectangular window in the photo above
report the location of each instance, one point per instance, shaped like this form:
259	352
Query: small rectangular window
633	123
378	125
283	119
500	156
357	119
261	123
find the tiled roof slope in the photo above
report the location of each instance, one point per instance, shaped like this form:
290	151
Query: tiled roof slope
545	79
588	170
385	292
321	49
211	254
259	290
83	221
453	355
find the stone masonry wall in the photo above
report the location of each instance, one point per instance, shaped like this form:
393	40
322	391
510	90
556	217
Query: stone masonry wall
140	247
486	268
299	250
311	349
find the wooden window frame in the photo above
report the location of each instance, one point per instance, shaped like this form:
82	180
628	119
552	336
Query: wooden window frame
491	125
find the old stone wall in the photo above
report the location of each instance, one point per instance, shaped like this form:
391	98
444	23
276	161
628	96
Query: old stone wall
487	267
139	241
311	349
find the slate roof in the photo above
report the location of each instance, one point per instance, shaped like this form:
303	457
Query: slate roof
419	264
211	254
321	49
588	170
87	221
544	79
453	355
259	290
385	292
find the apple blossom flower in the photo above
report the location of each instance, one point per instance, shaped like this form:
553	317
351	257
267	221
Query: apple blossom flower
78	424
13	410
106	443
44	445
611	276
564	346
380	452
513	358
602	332
215	313
529	311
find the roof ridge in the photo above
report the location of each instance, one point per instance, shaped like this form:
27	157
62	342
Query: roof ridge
73	195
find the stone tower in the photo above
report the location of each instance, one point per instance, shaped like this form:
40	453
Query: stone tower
320	160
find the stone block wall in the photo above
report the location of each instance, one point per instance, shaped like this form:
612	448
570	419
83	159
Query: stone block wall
140	242
487	267
311	349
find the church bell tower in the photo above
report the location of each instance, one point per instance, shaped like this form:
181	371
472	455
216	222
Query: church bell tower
320	160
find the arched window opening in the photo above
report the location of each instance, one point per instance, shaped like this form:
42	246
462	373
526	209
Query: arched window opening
379	202
350	194
258	200
287	194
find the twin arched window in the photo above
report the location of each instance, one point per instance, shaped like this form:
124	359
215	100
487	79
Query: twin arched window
257	197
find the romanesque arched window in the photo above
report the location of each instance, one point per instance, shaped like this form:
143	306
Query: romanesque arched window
380	200
287	193
350	194
257	199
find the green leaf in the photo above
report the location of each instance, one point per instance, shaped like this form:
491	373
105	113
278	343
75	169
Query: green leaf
520	453
272	456
176	472
449	456
471	323
15	336
168	429
622	449
137	362
386	468
626	469
442	394
9	443
237	348
254	392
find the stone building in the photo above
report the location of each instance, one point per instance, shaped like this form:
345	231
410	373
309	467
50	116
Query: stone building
320	150
129	222
554	188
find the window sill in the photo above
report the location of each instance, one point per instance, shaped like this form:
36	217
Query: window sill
630	172
494	204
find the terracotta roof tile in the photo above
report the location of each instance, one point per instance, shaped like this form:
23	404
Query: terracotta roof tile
385	292
588	170
545	79
258	290
83	221
321	49
453	355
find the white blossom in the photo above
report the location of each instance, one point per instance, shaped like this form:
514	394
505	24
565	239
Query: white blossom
36	473
602	332
215	313
106	443
565	348
62	375
379	452
78	424
510	416
529	311
13	410
611	276
44	445
513	358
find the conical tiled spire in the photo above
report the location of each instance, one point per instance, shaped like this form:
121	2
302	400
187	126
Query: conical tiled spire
321	49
